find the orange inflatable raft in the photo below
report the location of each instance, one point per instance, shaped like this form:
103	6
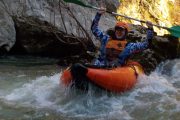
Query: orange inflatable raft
118	79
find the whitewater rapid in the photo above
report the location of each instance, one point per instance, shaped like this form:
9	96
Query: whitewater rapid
156	96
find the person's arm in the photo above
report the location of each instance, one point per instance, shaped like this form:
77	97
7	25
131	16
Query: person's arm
95	27
137	47
99	35
140	46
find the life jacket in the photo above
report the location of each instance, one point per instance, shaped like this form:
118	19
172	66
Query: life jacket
114	48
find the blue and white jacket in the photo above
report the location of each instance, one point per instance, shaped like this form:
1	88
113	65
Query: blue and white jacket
125	54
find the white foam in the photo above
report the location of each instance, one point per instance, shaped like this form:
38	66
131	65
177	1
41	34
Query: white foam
35	93
154	90
154	83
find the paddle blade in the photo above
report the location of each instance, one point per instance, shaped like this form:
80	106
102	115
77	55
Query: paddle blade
175	31
78	2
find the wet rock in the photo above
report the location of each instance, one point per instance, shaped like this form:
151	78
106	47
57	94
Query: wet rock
7	31
70	18
36	37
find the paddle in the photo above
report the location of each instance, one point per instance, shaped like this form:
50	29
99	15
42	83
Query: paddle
174	30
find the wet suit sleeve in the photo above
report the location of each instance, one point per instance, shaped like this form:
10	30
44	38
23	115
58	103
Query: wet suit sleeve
136	47
97	32
103	39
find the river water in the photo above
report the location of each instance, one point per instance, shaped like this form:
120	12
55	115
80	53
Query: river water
30	90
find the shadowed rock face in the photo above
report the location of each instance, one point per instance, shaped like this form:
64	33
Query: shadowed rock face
37	37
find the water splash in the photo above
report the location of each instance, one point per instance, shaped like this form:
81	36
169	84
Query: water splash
155	94
37	93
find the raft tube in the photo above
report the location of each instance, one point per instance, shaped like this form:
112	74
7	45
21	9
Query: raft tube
117	79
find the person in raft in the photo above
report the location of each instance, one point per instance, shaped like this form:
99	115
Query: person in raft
115	50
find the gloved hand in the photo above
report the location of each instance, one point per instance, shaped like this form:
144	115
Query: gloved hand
149	25
150	34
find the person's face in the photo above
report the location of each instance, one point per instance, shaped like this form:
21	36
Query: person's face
120	33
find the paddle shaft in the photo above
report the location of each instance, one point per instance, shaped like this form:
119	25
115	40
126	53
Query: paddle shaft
142	21
174	30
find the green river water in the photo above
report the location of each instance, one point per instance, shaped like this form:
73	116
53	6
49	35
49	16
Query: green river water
30	90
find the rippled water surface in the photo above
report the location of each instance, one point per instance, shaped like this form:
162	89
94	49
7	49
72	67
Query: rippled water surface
30	90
